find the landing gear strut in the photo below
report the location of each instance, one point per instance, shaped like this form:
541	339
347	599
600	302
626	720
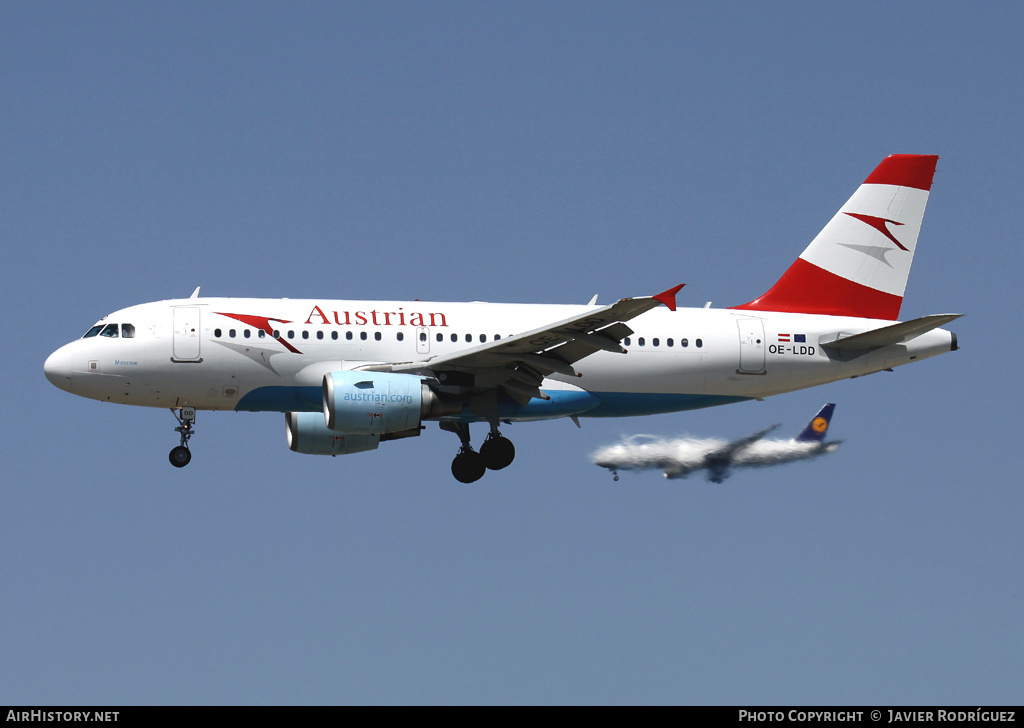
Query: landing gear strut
469	466
181	455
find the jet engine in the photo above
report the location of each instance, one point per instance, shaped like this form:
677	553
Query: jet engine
381	403
307	434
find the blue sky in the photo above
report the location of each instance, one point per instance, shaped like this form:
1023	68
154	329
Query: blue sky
517	152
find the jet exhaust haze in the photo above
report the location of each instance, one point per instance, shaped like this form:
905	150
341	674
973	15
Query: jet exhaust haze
678	457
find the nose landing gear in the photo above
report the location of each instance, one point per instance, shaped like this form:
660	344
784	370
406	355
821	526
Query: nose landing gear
181	455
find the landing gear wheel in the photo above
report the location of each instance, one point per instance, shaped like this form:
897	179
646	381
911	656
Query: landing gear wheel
497	452
180	456
468	466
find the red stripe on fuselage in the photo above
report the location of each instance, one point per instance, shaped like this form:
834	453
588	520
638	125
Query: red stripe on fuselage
262	322
905	170
806	288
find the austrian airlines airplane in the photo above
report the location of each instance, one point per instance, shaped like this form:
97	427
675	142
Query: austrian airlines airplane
351	374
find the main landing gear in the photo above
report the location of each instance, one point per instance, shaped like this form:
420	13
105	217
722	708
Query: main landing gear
496	453
181	455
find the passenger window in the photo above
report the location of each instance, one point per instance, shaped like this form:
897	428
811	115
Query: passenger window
627	342
319	335
348	336
654	342
362	336
440	337
216	333
231	333
700	343
483	338
684	343
640	341
262	334
93	331
423	336
305	334
110	331
247	333
455	337
469	338
127	331
400	336
669	342
376	336
334	335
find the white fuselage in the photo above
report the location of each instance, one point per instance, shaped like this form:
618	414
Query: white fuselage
272	354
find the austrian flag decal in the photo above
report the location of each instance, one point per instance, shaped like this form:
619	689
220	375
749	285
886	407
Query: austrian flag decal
794	338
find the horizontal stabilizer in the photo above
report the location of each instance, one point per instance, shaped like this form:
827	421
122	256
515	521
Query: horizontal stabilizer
889	335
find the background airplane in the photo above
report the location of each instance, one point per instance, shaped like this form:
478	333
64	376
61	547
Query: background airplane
351	374
679	457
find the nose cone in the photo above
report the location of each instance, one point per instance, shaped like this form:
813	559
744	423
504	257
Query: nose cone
57	368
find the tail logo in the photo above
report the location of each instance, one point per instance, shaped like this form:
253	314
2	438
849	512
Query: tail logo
878	223
819	425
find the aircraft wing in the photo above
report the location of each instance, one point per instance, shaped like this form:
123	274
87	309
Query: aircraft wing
733	447
719	461
519	363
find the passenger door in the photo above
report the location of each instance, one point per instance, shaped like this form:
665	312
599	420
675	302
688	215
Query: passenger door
186	334
752	347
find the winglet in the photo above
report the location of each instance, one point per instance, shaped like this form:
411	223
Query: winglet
669	297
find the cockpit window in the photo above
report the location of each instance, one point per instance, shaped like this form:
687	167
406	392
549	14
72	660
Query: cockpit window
110	330
93	331
127	331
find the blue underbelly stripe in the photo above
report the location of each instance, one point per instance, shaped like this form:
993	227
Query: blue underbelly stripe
561	404
282	399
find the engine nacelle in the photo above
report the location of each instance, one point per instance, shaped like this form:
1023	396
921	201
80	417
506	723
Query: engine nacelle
307	434
374	403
